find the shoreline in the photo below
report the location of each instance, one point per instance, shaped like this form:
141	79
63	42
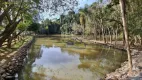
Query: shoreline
122	72
8	70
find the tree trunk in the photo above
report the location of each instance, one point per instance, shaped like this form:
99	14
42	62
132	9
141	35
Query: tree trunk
110	35
100	35
135	37
116	35
124	42
103	38
106	33
83	30
123	14
8	31
103	35
95	33
113	34
5	11
140	40
9	41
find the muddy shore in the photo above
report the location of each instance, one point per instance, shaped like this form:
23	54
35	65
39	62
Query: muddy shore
8	70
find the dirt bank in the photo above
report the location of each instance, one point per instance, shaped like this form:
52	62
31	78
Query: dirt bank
8	70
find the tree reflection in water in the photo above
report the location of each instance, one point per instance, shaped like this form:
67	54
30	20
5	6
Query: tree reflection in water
58	62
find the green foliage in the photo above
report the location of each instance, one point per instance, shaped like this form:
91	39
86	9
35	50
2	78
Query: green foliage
21	26
104	19
34	27
64	29
1	28
37	1
46	27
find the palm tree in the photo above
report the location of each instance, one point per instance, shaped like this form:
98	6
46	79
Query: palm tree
83	19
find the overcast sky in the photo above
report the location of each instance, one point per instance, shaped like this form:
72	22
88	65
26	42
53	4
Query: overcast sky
81	5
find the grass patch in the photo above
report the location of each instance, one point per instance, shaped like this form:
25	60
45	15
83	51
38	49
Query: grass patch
22	42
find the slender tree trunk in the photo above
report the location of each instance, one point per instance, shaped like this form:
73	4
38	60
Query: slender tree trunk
83	30
103	35
95	30
110	35
116	35
100	35
123	14
124	42
135	37
140	40
103	38
113	34
95	33
105	32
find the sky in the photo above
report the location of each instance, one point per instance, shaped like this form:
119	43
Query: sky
82	4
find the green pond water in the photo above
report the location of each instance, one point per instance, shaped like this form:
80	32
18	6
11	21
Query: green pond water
55	58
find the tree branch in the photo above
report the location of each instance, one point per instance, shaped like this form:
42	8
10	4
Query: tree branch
19	10
5	11
119	22
8	17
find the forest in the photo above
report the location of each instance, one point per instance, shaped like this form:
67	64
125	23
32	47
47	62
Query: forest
103	22
107	21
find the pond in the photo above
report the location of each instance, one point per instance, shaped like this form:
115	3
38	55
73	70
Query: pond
57	58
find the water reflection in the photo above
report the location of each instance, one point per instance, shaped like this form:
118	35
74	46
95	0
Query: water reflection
53	62
54	56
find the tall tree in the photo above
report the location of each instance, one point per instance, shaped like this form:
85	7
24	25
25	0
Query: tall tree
125	29
82	22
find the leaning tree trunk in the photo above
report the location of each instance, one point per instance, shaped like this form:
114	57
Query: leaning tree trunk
8	31
123	13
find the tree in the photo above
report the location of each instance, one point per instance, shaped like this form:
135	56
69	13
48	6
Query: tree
12	12
34	27
13	16
125	29
82	22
